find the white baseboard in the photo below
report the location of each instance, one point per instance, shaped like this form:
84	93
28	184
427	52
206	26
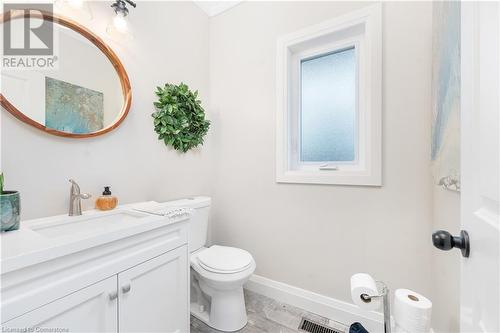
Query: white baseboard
312	302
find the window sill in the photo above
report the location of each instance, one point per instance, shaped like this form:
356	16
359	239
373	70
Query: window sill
330	177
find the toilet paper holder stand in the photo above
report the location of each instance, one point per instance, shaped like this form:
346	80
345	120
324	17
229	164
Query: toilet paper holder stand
385	299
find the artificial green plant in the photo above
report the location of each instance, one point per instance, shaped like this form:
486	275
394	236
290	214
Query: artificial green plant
179	119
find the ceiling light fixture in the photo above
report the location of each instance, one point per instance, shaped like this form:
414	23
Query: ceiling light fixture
119	23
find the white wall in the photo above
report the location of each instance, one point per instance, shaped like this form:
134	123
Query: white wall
310	236
170	44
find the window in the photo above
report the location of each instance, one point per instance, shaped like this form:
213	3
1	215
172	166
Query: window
329	102
328	108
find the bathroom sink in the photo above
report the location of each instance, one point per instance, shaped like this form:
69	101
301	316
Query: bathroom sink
91	224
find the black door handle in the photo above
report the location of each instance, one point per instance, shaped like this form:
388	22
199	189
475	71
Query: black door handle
443	240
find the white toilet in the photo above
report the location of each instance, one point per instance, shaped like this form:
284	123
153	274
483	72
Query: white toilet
217	274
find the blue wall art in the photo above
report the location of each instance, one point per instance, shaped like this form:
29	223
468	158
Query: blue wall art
71	108
445	150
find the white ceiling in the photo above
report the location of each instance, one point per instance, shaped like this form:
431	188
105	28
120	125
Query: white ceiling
213	8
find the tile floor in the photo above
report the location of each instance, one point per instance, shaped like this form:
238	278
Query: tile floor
265	315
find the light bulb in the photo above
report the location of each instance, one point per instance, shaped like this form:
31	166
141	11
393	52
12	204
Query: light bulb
120	22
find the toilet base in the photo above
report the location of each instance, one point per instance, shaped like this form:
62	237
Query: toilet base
205	318
226	312
223	310
198	314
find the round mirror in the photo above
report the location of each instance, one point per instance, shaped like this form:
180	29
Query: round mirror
84	92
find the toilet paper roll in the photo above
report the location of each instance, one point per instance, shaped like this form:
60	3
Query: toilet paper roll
362	283
412	311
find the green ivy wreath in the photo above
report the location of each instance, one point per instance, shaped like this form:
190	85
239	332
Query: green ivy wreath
180	119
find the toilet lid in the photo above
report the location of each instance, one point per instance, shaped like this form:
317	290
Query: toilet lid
224	259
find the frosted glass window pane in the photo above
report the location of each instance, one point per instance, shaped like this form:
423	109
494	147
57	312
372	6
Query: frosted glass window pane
328	107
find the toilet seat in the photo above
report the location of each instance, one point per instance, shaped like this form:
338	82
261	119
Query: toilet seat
224	259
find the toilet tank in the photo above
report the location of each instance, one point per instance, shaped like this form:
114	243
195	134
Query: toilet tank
198	224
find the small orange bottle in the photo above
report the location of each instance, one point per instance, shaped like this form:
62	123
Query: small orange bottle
106	201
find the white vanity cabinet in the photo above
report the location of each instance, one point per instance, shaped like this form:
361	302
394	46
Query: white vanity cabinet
87	310
137	283
153	296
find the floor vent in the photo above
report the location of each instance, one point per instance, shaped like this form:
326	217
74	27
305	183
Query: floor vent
309	326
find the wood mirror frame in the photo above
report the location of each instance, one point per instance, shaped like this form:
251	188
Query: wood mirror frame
101	45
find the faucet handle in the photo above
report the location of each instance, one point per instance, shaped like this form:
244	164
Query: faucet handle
74	186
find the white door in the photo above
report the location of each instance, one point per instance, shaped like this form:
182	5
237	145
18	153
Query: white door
91	309
153	296
480	291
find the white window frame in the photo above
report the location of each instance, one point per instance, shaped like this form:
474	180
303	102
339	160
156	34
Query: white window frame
362	30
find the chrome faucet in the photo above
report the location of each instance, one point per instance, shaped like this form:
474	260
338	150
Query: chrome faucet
75	199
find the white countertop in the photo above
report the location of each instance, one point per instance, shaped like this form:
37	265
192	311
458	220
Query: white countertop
26	246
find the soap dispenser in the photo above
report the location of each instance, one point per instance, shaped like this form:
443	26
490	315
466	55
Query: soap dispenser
106	201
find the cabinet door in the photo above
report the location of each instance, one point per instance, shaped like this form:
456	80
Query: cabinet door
91	309
153	296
